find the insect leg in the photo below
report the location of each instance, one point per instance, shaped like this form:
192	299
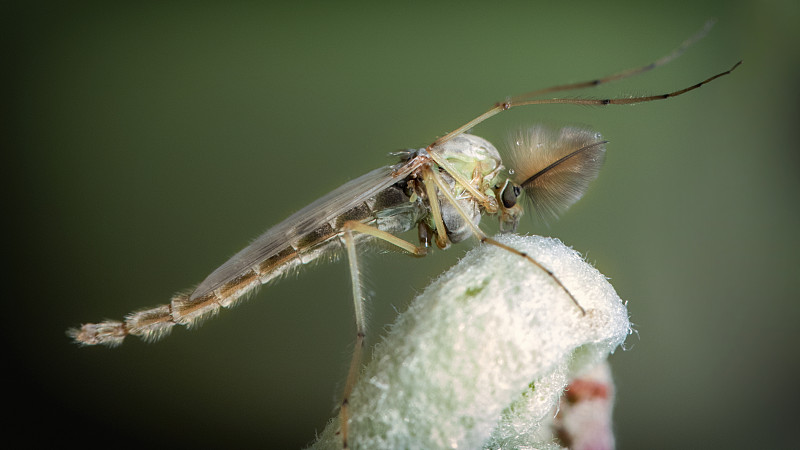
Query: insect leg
363	228
350	228
529	98
441	234
432	177
628	72
482	198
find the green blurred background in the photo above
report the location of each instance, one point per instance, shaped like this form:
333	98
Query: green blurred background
146	143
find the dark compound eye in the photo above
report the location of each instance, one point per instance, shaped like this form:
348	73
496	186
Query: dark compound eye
510	194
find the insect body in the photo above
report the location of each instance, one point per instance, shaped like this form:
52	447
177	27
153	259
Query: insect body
380	204
443	190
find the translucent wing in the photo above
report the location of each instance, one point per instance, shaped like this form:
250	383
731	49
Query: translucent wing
303	222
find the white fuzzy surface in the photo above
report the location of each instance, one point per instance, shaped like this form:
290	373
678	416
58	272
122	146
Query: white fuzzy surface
482	356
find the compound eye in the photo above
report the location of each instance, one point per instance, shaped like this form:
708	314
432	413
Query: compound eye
510	194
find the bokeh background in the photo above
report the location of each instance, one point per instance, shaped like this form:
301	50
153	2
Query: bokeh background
145	143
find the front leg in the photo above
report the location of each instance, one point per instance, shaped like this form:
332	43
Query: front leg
431	178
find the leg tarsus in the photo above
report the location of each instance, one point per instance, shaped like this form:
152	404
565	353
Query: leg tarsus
549	272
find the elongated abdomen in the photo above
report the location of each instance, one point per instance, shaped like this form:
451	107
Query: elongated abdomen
390	210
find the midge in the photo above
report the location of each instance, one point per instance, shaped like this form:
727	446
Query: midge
442	190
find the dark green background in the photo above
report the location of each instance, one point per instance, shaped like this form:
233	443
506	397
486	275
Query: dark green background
147	143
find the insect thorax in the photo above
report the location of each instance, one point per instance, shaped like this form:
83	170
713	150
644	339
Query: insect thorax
476	160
